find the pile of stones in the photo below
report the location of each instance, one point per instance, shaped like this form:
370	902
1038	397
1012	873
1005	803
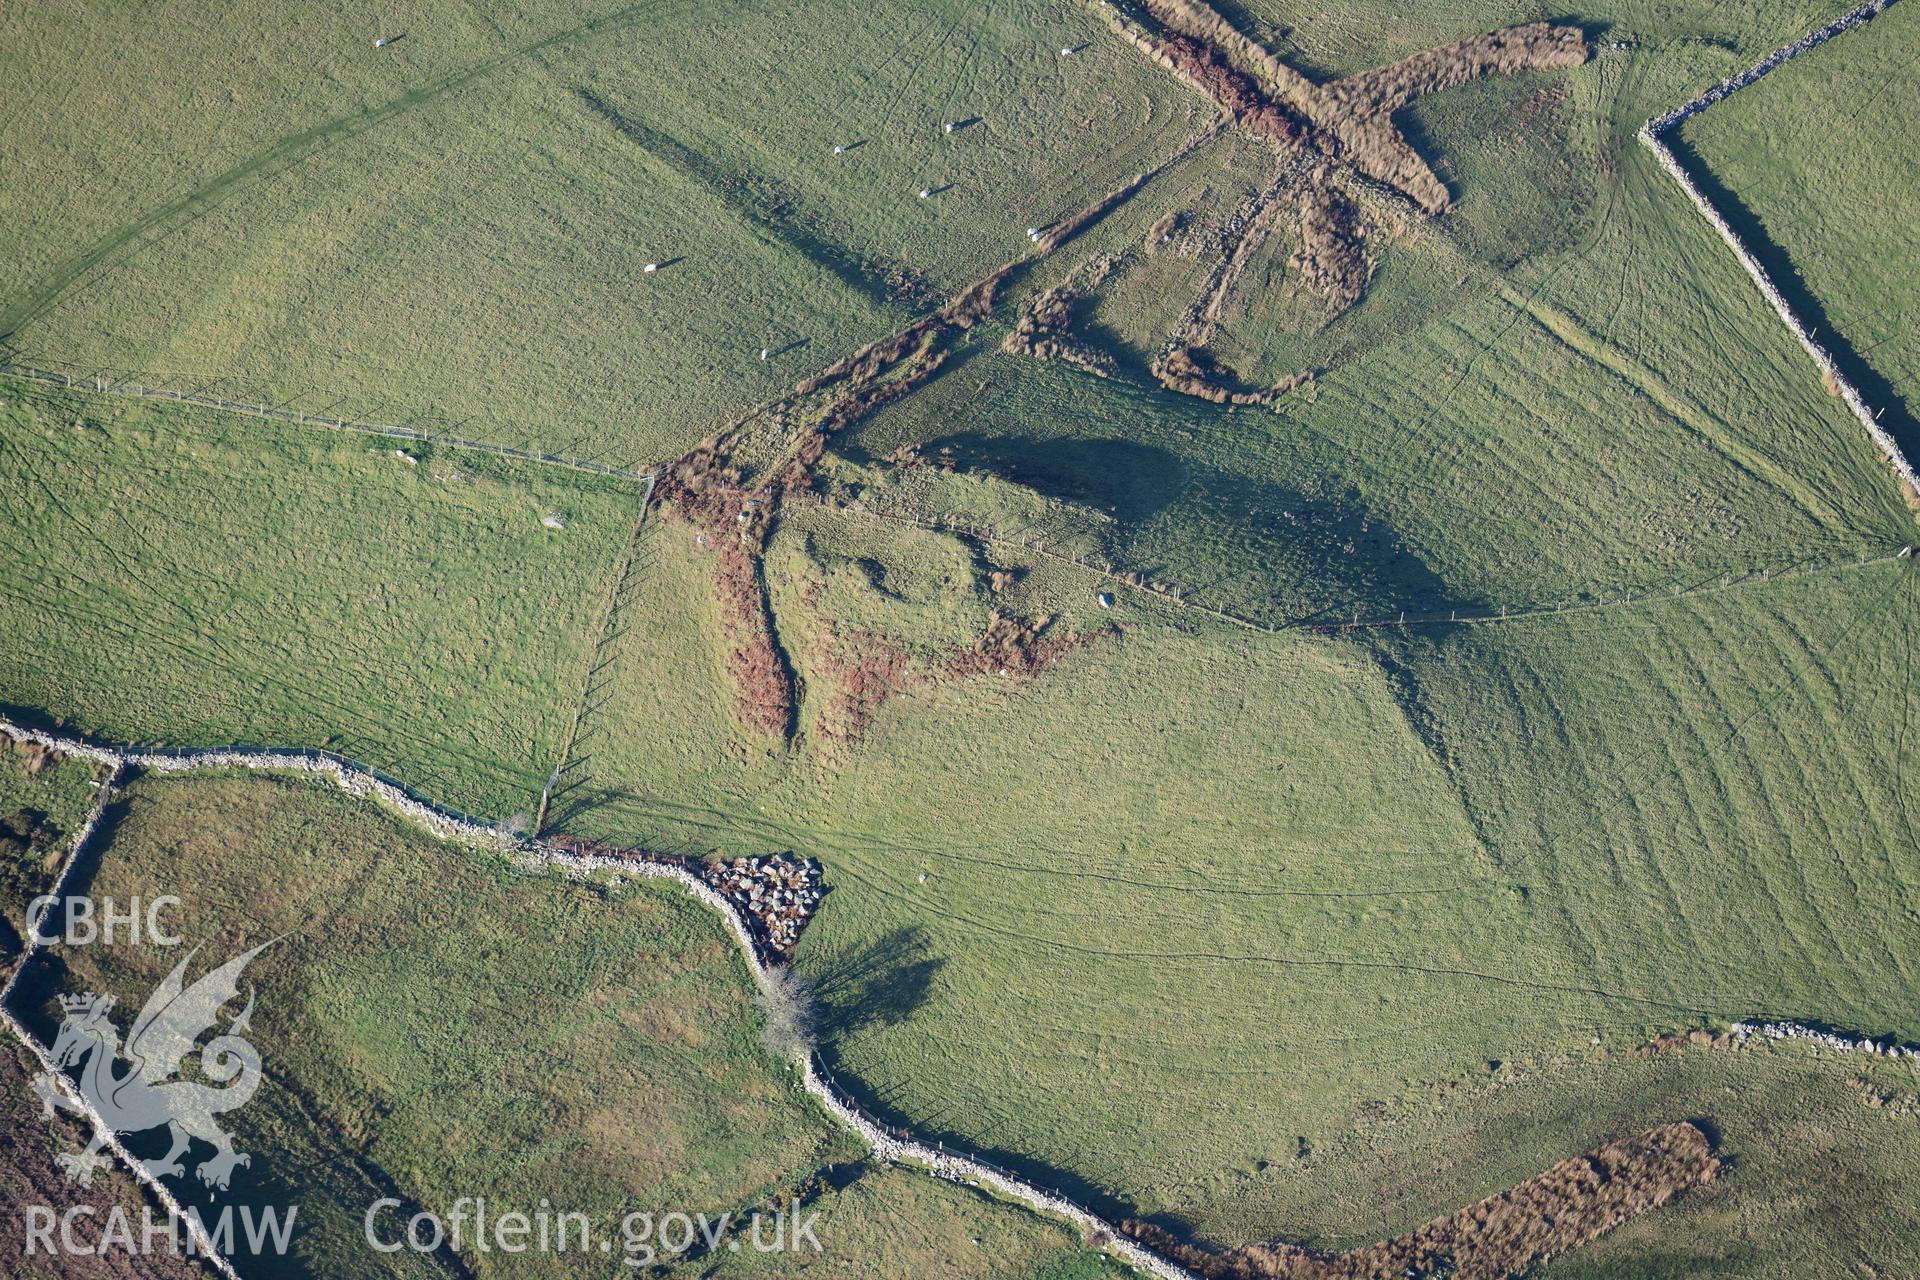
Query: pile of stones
776	894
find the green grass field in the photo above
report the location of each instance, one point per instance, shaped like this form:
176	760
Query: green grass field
1266	934
1510	418
1707	798
457	225
622	1071
1309	882
42	804
1821	1151
187	577
1809	164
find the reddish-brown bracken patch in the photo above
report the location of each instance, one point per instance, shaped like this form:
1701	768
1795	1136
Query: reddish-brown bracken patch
1011	646
864	669
1233	90
1502	1236
733	517
762	684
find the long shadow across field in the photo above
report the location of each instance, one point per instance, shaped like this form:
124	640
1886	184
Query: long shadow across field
1898	417
1246	544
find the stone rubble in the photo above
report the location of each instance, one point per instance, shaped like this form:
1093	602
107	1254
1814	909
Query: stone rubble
777	895
1744	1031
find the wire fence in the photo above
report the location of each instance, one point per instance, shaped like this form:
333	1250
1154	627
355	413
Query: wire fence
106	381
1362	618
849	1100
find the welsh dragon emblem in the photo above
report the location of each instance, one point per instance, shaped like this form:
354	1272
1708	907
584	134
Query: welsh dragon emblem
149	1092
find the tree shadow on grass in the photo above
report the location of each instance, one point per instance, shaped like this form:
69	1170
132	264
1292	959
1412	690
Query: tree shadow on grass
879	984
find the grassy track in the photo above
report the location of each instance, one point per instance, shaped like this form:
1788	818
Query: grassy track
188	577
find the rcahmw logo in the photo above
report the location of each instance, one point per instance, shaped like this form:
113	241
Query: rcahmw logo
138	1087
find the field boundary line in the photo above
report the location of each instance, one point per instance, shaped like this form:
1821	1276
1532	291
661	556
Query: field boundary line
99	384
886	1143
598	657
1655	130
203	1246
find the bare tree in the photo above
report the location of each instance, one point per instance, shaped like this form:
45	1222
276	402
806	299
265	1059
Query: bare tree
787	1002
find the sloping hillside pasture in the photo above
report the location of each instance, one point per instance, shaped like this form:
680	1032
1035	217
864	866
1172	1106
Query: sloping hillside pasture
1705	798
187	577
500	288
1192	893
1213	870
621	1071
246	95
1827	1154
1822	1153
1216	507
436	1024
1812	163
43	801
1282	523
1518	421
1529	409
466	238
1192	899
